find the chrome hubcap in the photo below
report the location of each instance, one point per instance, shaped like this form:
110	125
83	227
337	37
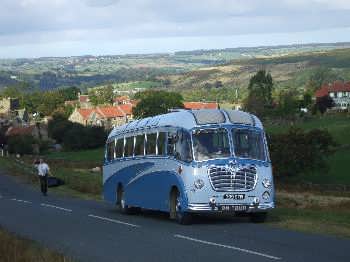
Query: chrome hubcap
122	201
178	205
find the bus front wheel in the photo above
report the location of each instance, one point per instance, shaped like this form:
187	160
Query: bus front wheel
176	212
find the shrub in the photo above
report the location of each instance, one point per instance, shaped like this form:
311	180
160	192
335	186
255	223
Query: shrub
75	136
297	151
21	144
80	137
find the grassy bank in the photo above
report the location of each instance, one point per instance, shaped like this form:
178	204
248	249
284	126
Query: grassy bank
78	178
309	212
16	249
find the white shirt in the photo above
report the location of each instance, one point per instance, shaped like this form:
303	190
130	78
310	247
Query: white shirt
43	169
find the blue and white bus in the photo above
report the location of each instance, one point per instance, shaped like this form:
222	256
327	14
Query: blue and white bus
186	162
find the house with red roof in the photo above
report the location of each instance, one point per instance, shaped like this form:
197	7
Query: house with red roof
339	91
201	105
37	131
121	100
84	101
106	116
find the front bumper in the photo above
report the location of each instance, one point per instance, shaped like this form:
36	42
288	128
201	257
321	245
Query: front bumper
208	208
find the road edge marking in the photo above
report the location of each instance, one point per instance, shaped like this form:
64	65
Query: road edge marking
227	246
56	207
22	201
113	220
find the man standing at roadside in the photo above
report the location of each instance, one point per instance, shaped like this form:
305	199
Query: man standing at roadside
43	172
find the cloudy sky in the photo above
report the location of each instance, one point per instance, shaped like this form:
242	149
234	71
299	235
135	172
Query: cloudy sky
33	28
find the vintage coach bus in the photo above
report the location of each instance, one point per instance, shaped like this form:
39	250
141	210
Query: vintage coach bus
186	162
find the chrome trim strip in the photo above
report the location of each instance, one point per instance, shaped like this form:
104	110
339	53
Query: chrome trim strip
251	207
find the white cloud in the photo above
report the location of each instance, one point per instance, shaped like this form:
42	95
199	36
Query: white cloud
54	21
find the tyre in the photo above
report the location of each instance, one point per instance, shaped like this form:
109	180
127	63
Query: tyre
122	207
176	212
258	217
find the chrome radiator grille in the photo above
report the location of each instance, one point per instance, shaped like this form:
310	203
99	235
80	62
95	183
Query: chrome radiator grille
224	178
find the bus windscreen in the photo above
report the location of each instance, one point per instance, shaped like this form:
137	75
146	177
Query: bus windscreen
210	144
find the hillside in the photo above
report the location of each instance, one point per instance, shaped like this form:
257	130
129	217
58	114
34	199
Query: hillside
200	74
290	71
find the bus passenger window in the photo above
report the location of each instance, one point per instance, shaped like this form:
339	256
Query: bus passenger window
151	144
119	150
161	142
171	143
129	147
183	147
110	150
140	145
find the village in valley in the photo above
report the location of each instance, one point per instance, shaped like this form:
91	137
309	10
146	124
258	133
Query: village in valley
17	121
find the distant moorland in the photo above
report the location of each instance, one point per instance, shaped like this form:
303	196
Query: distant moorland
203	74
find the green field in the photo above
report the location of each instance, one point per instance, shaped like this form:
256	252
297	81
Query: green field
339	128
337	125
94	155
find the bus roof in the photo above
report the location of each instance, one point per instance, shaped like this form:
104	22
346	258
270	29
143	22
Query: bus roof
189	119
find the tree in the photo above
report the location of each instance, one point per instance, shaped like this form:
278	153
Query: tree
260	88
288	103
307	100
156	102
166	83
218	84
53	100
323	103
207	85
102	96
70	93
297	151
321	76
21	144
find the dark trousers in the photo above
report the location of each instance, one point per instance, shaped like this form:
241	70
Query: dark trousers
43	184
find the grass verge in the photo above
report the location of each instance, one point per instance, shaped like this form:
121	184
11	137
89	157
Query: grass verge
16	249
79	182
309	212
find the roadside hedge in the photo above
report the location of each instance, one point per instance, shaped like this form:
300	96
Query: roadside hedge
297	151
76	136
21	144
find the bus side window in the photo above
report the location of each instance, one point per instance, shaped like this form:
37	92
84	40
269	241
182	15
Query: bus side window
119	150
129	146
161	144
110	150
183	147
140	145
172	136
151	144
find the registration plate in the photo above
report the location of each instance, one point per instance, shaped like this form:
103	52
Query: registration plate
233	208
234	196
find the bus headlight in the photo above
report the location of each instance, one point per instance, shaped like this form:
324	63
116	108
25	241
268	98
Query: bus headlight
199	183
266	183
266	195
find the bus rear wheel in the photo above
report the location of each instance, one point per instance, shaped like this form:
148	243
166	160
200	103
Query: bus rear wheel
122	207
176	212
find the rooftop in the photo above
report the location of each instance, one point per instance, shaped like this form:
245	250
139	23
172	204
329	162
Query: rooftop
337	86
189	119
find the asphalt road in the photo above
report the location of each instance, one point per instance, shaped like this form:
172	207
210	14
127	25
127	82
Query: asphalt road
94	231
